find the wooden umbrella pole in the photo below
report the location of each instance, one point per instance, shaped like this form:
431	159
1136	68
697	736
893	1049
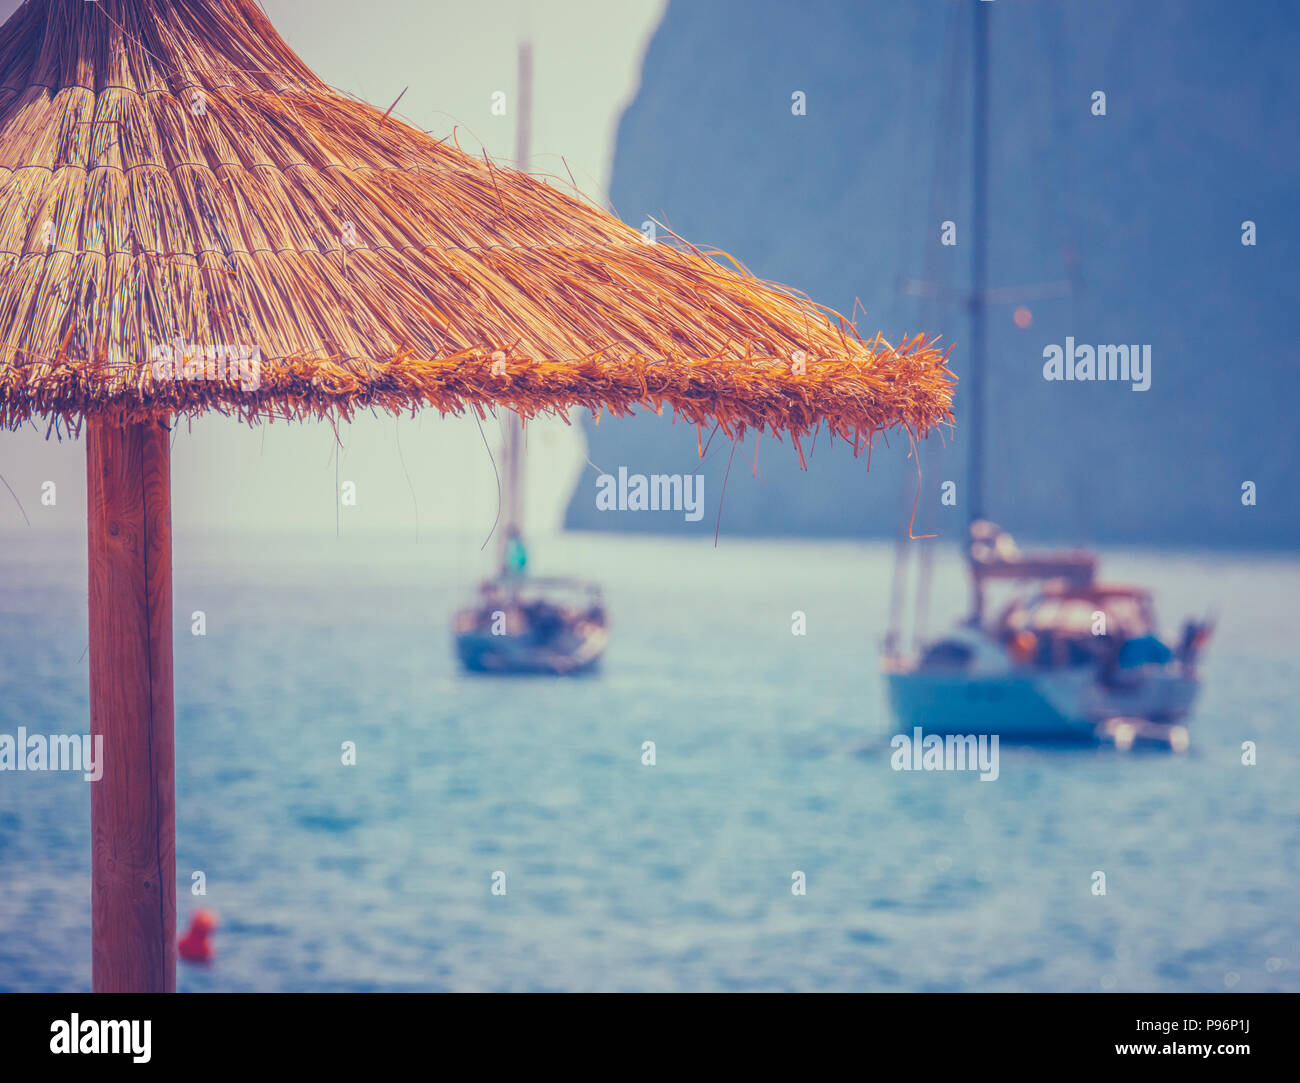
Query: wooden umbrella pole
133	805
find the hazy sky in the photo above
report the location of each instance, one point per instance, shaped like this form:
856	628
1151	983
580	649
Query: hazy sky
452	55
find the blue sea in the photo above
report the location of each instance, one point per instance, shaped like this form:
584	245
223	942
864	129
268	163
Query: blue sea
772	757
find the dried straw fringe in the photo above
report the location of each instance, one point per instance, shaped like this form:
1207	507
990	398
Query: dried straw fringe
373	266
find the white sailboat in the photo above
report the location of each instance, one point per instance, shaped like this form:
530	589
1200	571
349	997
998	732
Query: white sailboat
520	623
1065	657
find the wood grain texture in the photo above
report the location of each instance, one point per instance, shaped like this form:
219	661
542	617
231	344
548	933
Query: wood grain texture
133	806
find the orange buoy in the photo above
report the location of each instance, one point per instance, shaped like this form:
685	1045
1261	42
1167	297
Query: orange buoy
194	946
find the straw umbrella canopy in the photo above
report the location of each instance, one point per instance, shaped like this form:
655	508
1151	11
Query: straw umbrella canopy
193	221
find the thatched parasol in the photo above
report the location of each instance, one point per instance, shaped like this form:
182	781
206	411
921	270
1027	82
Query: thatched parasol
193	221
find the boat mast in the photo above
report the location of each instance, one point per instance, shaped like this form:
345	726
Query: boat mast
977	300
513	482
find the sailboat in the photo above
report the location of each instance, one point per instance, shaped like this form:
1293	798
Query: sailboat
520	623
1064	655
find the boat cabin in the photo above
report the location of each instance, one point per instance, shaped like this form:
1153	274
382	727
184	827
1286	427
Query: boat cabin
1070	624
1067	609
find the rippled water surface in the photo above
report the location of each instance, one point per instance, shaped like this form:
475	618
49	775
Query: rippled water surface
772	757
